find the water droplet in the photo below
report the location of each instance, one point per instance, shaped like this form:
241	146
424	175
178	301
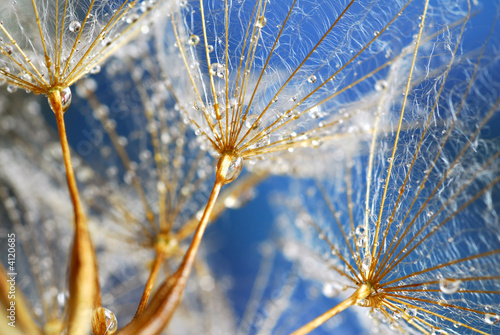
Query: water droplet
261	22
311	79
9	49
380	85
360	242
265	140
360	230
110	319
396	315
491	318
218	69
11	88
66	97
449	286
75	26
96	69
234	169
250	122
367	261
210	48
194	40
330	290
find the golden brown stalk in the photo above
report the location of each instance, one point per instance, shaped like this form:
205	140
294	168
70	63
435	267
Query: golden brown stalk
163	305
150	283
25	324
83	277
361	293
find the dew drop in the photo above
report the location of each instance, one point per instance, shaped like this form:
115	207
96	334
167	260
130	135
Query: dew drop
265	140
250	122
11	89
360	242
330	290
234	169
110	319
449	286
210	48
261	22
75	26
96	69
360	230
491	318
311	79
66	97
218	69
194	40
8	49
380	85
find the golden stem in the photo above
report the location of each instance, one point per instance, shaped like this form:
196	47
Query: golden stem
23	316
83	276
361	293
163	305
149	285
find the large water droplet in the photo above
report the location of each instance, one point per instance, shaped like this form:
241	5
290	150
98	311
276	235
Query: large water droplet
66	97
110	319
449	286
491	318
194	40
234	169
261	22
218	70
360	230
330	290
311	79
75	26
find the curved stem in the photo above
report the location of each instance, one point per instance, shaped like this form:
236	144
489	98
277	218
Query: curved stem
150	283
361	293
83	276
163	305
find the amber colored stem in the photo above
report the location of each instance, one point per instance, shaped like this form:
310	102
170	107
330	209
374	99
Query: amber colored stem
361	293
163	305
150	283
83	277
23	317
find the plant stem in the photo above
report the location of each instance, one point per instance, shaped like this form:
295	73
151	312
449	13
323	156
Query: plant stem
23	316
149	285
361	293
163	305
83	276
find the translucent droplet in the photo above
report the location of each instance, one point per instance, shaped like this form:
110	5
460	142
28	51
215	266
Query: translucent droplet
311	79
380	85
66	97
250	122
491	318
360	230
11	88
396	315
330	290
110	319
194	40
218	70
210	48
261	22
449	286
234	169
75	26
96	69
9	49
367	262
360	242
265	140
